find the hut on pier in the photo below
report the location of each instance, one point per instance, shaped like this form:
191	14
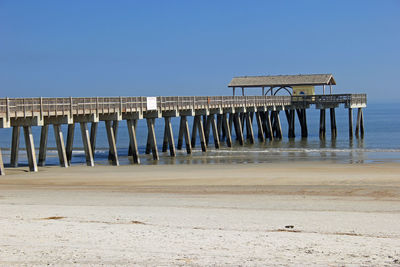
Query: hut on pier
302	84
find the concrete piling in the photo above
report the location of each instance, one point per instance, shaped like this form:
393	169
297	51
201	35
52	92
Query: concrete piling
43	145
30	149
62	154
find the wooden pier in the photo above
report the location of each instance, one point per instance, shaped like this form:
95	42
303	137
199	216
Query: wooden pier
218	116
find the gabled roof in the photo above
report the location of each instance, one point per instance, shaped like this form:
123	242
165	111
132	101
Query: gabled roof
282	80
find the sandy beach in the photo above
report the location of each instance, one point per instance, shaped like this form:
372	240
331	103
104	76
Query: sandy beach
202	215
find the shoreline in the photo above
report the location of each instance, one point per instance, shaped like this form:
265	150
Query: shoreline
202	215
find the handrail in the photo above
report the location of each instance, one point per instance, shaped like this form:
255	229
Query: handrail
42	106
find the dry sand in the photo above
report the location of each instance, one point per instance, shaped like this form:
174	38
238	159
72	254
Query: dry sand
225	215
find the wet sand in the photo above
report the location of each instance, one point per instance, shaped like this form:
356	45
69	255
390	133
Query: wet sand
251	215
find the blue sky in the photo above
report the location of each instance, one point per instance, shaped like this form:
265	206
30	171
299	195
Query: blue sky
88	48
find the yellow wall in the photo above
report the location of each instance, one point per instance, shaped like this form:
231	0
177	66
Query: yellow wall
303	90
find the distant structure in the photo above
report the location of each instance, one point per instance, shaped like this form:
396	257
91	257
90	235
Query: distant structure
302	84
218	116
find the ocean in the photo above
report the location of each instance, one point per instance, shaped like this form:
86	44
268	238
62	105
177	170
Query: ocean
380	144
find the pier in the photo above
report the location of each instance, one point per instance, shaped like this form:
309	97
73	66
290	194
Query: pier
216	116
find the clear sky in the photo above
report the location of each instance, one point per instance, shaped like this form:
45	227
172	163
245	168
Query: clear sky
103	48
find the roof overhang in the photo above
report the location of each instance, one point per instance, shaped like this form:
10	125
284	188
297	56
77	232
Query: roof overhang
282	80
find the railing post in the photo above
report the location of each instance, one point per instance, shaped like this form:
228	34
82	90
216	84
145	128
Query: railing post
41	107
120	104
56	104
23	105
97	107
8	109
63	108
70	106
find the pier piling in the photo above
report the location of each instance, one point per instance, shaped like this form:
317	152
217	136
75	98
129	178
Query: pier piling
322	124
30	149
238	128
133	146
360	124
152	138
86	144
215	132
62	155
2	172
350	123
170	136
113	154
115	124
15	146
70	141
43	145
333	123
260	127
227	129
93	135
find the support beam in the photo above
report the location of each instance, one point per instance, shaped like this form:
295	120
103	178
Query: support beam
115	124
15	146
273	128
322	124
305	123
242	120
181	130
292	123
249	128
152	137
215	132
133	146
43	145
333	123
360	124
226	127
269	126
208	127
165	138
260	127
277	123
186	134
30	149
62	154
93	135
221	134
238	128
199	126
301	113
231	116
351	123
170	136
113	153
290	119
204	121
148	143
194	130
266	124
86	144
2	171
70	141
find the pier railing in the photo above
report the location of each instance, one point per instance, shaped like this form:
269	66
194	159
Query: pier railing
347	99
23	107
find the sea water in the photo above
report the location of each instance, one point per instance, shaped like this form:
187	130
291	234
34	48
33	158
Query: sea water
380	144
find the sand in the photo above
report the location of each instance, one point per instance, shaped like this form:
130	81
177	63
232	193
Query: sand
202	215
